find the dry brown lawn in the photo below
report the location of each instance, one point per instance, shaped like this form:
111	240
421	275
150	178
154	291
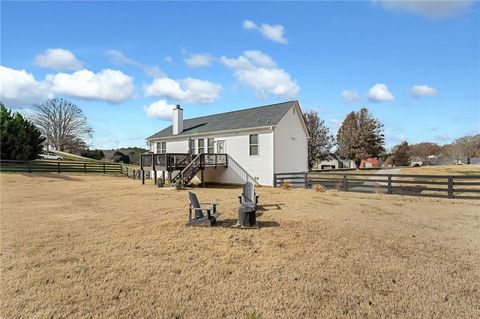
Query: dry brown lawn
86	246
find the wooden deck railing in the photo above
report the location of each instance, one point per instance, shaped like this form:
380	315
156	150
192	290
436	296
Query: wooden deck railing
450	186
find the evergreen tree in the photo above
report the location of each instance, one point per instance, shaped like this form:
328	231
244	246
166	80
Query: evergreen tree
320	142
401	156
360	136
20	139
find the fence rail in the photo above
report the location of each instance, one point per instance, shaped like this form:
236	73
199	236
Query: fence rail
45	166
458	186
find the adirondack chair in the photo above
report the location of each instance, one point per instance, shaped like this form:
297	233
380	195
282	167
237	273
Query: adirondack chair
196	216
248	196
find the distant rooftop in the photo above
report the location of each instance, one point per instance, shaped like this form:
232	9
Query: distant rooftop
259	116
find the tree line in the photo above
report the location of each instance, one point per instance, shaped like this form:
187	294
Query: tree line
361	136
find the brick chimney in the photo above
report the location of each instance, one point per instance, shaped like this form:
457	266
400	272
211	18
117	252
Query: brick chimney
177	120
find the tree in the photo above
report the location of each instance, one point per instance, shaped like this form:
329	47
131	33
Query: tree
360	136
320	142
20	139
401	157
62	123
95	154
468	145
120	157
424	150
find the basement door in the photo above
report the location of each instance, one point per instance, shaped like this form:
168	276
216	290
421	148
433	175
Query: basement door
221	147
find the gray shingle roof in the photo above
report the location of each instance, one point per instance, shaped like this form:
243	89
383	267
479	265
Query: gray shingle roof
249	118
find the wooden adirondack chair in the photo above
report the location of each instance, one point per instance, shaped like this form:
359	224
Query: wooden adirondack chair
248	196
196	216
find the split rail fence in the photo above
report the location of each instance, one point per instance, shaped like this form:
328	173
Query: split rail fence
46	166
458	186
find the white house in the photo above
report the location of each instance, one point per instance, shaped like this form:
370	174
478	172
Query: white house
258	141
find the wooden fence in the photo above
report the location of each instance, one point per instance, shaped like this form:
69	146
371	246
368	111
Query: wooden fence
37	166
458	186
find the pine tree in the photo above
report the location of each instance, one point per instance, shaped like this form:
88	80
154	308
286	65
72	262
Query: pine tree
20	139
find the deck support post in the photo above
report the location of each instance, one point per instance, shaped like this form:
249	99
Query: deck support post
274	180
306	179
203	180
345	186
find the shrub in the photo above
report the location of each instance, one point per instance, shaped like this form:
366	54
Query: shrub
95	154
319	188
339	186
284	185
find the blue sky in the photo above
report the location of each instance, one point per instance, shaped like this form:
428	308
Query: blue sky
415	65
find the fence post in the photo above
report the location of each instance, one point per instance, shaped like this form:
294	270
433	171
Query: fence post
143	177
274	180
345	187
58	167
29	166
450	187
389	189
103	168
306	179
85	168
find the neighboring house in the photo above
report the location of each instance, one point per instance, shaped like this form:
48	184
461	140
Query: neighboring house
333	162
259	141
371	162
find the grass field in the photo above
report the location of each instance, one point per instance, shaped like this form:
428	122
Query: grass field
76	246
443	170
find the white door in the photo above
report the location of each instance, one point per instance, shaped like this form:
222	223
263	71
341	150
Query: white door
221	147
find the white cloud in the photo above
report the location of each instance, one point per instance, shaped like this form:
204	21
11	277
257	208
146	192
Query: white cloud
19	88
380	93
118	58
249	25
350	96
58	59
187	90
259	72
168	59
422	90
435	9
199	60
111	86
274	32
159	109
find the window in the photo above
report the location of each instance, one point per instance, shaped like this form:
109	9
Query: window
210	149
201	146
161	147
191	146
253	144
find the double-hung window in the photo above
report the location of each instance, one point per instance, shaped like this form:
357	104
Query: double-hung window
253	144
210	149
201	146
161	147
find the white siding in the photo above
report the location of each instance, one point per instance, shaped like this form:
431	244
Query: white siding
237	146
291	144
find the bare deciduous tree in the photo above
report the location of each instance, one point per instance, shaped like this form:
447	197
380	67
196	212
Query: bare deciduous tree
468	146
320	142
62	123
